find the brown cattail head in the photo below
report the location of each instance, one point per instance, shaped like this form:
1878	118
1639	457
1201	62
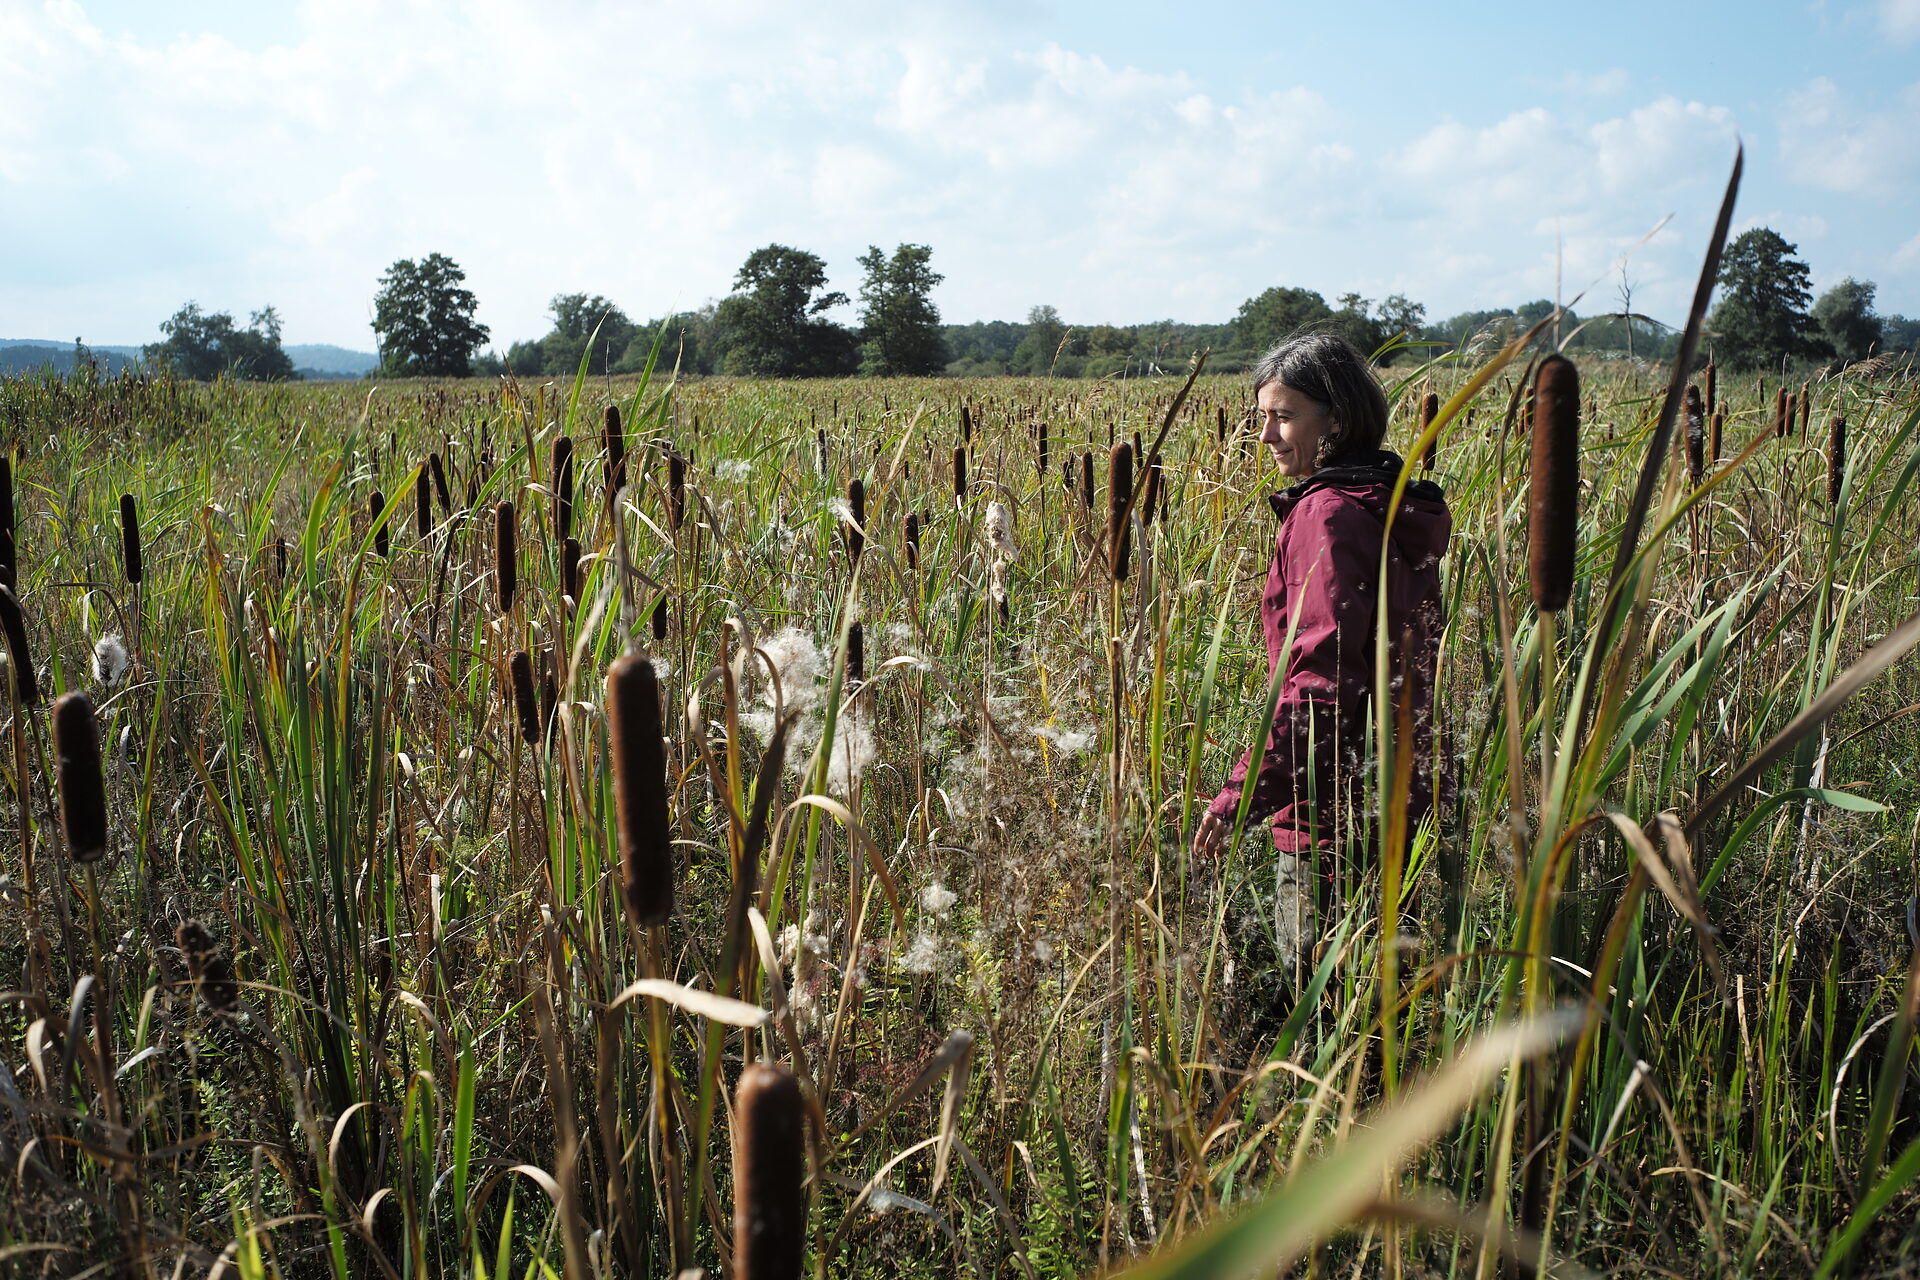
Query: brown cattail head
614	440
1554	496
280	559
856	653
562	477
1713	394
820	449
130	538
1696	434
676	489
1086	480
13	624
1806	407
1836	459
913	540
212	975
959	473
83	790
1713	440
422	504
640	790
1119	494
1429	410
769	1175
1780	411
8	575
660	619
1150	492
520	691
857	506
1793	412
570	569
506	554
439	470
1220	423
1041	440
376	504
966	425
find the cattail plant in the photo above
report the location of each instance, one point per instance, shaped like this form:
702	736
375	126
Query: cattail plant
506	554
83	789
280	560
1780	411
376	504
1041	441
676	489
549	701
856	653
1713	443
26	685
1429	410
1086	480
130	561
212	975
1793	414
660	619
640	790
960	473
520	689
1119	494
613	439
439	470
820	449
1150	492
570	569
913	540
422	505
1696	437
8	574
1554	493
857	505
1836	458
562	478
473	493
1220	424
1806	408
769	1175
966	425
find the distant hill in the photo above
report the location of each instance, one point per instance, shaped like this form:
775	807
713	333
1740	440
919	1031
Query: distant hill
313	360
322	360
25	355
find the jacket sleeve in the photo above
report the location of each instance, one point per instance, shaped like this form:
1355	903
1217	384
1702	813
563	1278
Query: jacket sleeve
1329	554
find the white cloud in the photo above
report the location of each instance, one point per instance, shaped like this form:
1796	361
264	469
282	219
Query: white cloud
1826	142
1907	256
1899	19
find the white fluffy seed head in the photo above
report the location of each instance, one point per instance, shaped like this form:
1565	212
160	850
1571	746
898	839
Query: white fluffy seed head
110	660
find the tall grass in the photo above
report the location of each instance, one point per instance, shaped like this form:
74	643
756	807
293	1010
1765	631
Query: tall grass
381	974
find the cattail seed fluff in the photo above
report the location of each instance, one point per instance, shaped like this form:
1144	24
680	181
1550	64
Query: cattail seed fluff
640	790
130	560
13	624
1836	459
562	478
770	1169
506	554
212	975
377	503
1119	494
1554	495
83	790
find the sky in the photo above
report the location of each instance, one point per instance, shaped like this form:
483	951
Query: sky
1121	163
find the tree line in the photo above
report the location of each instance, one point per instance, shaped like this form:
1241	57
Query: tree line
775	323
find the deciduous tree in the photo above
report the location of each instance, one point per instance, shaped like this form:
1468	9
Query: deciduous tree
902	326
424	319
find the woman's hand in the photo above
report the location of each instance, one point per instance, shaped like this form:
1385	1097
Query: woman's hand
1210	835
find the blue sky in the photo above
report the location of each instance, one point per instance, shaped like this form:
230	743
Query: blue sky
1120	163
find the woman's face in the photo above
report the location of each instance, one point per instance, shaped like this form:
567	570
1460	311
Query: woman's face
1292	424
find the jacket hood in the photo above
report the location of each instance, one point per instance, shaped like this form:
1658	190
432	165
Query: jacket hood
1424	523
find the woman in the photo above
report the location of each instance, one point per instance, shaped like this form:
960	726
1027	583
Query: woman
1324	417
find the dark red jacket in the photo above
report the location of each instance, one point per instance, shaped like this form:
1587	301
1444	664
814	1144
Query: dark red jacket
1324	583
